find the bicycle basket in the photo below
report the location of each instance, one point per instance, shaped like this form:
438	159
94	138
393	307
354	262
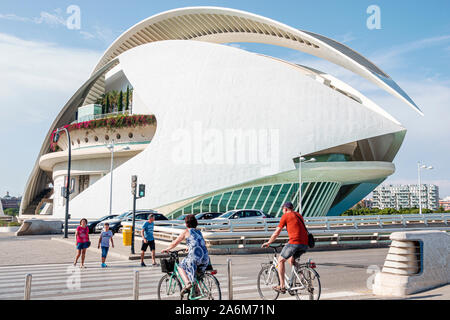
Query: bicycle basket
167	265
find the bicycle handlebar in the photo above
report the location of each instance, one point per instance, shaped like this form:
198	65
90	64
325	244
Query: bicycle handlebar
275	248
175	252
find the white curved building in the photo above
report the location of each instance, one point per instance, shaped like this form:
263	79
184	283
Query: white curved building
224	126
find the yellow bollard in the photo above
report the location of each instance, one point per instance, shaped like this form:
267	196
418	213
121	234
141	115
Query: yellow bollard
126	233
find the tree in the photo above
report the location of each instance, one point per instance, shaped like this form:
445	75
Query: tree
113	100
12	211
120	102
127	103
107	106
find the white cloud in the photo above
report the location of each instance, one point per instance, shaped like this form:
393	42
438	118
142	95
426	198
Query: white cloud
57	18
37	78
427	138
53	19
392	58
346	37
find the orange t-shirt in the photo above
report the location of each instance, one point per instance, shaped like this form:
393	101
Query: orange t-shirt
296	230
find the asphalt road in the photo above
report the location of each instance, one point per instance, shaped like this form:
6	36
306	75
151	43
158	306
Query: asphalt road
343	273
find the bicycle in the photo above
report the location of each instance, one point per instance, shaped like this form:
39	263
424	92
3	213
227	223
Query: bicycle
205	285
304	281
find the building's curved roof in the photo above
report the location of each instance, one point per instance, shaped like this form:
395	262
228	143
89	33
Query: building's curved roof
223	25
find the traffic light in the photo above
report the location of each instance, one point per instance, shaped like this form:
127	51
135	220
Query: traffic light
141	190
133	184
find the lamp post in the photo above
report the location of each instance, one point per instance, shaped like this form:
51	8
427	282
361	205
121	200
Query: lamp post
111	148
419	167
67	185
300	160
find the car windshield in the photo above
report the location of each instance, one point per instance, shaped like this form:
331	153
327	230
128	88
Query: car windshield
181	217
227	214
107	217
123	215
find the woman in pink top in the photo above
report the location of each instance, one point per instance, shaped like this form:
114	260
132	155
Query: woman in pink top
82	241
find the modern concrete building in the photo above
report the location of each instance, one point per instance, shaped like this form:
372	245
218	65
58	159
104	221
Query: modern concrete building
226	126
445	203
406	196
10	201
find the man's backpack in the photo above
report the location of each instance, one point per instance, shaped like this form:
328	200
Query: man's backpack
311	240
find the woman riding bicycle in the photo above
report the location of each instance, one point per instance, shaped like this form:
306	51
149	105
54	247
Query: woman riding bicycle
197	258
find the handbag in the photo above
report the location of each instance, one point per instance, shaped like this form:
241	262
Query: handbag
311	240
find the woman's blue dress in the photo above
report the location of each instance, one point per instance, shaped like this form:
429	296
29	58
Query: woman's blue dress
197	257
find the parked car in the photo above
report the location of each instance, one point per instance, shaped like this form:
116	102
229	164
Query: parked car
242	214
208	215
116	223
159	219
92	224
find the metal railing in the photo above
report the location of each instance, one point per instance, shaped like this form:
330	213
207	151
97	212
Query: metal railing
102	116
242	233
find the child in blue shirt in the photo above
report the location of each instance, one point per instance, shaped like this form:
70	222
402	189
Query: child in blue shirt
104	239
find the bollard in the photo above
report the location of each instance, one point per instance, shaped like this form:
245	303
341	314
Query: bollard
27	293
230	280
136	286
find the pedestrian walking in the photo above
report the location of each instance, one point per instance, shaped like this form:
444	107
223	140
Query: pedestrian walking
148	240
106	236
82	241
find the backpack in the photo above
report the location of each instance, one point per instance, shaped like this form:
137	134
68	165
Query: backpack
311	240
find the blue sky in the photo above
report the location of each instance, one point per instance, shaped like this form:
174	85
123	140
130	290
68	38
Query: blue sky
42	63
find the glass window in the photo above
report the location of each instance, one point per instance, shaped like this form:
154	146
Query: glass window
262	197
234	199
272	197
224	201
215	203
253	197
243	198
279	201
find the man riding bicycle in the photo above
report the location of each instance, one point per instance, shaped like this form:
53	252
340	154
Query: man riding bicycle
298	241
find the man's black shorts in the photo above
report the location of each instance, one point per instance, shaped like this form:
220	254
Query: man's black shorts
150	243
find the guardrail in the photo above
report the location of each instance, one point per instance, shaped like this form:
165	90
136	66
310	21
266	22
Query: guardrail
242	233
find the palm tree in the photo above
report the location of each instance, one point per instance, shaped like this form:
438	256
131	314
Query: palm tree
114	99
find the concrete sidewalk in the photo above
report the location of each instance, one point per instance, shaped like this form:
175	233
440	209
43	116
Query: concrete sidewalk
119	251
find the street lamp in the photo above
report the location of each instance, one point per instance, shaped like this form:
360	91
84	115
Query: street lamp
67	186
111	148
419	167
300	160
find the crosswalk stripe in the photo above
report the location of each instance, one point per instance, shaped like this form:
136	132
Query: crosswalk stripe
128	280
115	282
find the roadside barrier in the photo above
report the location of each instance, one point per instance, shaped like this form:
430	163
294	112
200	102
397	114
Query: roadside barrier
27	291
136	286
230	279
416	261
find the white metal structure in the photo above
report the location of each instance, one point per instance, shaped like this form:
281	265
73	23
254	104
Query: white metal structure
207	97
419	167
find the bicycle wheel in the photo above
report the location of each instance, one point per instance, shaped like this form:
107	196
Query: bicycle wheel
267	279
210	283
307	284
169	288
